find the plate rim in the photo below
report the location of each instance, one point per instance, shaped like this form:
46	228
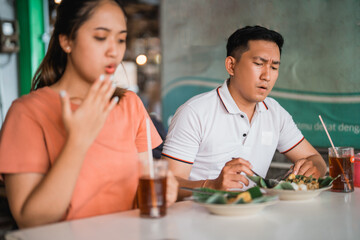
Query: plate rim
297	192
236	210
240	205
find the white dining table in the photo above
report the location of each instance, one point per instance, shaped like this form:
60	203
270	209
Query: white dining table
329	216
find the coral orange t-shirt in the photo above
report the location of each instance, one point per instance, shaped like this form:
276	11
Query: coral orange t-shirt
33	136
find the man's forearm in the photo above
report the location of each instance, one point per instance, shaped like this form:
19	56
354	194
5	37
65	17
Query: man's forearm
189	184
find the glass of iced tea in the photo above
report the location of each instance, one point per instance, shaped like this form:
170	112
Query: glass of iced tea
340	163
152	190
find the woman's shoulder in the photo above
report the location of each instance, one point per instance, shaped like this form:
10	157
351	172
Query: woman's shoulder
131	97
39	94
131	103
35	100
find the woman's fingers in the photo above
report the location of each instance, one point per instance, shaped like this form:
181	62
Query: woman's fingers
112	104
109	92
100	93
106	90
95	88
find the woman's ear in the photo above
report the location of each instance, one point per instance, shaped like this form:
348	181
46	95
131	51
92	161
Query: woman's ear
65	43
230	64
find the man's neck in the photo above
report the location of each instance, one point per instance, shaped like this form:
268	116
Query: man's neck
247	107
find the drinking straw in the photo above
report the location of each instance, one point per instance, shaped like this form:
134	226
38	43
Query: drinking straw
327	133
149	149
154	210
335	151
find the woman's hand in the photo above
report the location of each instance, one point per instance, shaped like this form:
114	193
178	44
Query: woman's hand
84	124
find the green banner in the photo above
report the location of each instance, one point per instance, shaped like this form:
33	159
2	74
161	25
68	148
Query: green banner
342	119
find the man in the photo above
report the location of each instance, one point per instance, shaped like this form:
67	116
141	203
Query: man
218	137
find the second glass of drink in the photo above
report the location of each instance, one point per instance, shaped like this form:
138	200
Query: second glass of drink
340	163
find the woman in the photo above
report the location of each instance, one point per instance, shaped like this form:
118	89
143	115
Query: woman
70	149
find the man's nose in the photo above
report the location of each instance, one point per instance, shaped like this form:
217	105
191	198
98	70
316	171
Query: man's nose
265	74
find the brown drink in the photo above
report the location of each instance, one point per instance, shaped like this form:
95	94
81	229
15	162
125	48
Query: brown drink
344	183
341	164
152	196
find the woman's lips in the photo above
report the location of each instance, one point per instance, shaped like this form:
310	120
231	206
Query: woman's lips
110	69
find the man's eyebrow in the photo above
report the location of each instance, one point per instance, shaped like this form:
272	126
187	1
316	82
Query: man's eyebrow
108	30
266	60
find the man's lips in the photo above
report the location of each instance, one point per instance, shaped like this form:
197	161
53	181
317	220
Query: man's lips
262	87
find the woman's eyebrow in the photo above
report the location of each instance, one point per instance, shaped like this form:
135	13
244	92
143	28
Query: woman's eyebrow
108	30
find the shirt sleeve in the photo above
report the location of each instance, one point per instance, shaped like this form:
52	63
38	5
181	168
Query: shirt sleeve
290	135
22	144
141	138
184	136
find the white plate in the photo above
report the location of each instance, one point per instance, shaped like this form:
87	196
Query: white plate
236	209
296	195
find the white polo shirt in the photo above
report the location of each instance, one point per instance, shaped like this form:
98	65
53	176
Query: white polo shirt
209	130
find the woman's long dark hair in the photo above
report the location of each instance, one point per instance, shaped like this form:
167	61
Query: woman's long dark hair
71	14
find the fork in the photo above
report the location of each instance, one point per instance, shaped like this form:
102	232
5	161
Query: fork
282	177
256	173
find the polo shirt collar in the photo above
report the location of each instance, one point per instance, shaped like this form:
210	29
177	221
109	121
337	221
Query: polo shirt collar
229	103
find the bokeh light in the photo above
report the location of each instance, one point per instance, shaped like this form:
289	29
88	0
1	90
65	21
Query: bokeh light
141	59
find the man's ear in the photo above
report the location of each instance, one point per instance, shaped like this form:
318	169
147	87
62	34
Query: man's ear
230	65
65	43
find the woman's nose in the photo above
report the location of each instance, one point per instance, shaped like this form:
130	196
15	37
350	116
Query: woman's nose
112	50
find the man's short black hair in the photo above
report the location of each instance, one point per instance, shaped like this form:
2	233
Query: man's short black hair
240	38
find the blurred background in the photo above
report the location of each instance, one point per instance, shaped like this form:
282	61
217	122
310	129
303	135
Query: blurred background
176	49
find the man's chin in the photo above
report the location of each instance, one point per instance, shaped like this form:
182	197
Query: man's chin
261	98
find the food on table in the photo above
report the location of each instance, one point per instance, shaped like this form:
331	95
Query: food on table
244	196
302	183
252	195
294	182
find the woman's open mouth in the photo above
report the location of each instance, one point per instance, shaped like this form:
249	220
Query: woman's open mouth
110	69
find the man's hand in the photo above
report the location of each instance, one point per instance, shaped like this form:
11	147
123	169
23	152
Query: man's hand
231	177
307	160
306	167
